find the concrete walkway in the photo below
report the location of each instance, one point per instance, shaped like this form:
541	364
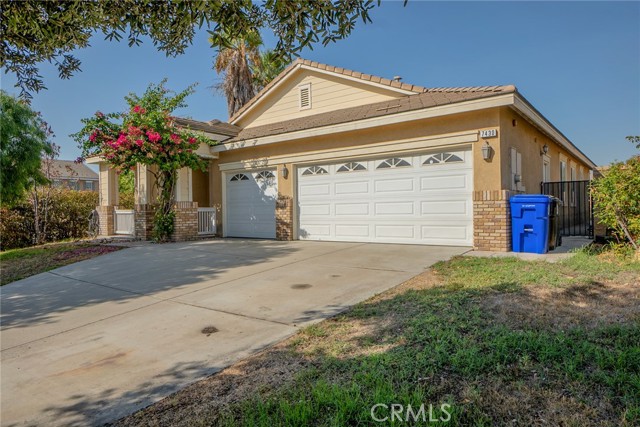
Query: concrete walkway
93	341
566	250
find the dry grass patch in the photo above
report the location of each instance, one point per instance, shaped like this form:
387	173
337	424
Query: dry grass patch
21	263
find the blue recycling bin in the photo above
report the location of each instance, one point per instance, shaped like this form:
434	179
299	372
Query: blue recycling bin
530	223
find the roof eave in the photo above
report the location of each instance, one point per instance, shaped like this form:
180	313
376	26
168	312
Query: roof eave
498	100
526	109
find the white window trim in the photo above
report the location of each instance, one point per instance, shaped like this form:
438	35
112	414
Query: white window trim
563	170
302	87
546	167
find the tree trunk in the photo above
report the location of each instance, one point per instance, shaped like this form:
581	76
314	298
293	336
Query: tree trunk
163	221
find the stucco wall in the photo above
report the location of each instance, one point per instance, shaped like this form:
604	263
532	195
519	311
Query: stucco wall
487	174
200	182
528	140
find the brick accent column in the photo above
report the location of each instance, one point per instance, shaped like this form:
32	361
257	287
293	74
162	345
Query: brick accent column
492	221
284	218
106	220
186	221
144	221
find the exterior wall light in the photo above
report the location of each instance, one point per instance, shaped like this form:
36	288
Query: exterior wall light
487	151
545	149
285	171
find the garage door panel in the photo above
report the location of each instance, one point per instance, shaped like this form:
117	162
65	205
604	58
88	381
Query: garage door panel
316	210
395	231
352	230
445	207
448	182
354	187
384	185
352	208
420	204
314	190
394	208
441	231
315	231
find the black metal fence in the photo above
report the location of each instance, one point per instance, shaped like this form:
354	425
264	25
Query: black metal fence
575	213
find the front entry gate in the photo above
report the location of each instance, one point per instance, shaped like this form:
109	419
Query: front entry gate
575	212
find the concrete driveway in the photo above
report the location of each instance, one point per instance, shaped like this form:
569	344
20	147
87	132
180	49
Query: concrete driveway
93	341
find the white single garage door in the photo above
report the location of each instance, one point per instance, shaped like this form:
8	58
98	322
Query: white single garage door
420	199
251	204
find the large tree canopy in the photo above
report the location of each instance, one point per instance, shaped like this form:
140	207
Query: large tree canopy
34	31
24	138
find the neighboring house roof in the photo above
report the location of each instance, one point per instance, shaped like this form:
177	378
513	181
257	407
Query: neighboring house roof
68	169
212	126
430	98
299	63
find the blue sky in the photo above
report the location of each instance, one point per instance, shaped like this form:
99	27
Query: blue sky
577	62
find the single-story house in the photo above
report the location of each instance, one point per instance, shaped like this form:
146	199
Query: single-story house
69	174
325	153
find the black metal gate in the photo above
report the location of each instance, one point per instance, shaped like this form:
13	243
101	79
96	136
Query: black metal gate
575	214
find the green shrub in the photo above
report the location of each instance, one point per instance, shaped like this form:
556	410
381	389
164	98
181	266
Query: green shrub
67	218
616	198
126	190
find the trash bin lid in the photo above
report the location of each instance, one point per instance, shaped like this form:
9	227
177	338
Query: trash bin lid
531	198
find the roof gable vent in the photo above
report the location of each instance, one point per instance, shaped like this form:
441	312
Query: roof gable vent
304	92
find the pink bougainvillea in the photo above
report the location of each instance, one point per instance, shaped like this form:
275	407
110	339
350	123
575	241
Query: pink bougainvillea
148	136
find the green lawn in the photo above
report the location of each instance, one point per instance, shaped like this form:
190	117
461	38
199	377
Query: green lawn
502	341
16	264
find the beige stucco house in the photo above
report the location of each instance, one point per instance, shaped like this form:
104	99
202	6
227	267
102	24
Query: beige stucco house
324	153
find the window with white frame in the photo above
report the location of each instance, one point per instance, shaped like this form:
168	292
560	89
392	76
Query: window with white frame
239	177
351	167
88	185
314	170
563	170
440	158
572	186
546	169
563	178
394	162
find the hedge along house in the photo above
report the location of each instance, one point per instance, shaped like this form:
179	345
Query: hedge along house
324	153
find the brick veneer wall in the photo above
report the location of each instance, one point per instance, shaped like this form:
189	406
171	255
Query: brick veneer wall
284	218
492	220
144	221
106	220
186	221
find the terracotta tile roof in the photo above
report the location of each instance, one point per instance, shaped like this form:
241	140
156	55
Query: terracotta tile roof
331	68
69	169
212	126
430	98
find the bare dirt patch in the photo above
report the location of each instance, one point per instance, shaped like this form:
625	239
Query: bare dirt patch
585	305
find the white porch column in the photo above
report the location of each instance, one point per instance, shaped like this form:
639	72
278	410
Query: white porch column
108	185
184	186
144	186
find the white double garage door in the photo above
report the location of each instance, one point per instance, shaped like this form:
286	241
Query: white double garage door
418	199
